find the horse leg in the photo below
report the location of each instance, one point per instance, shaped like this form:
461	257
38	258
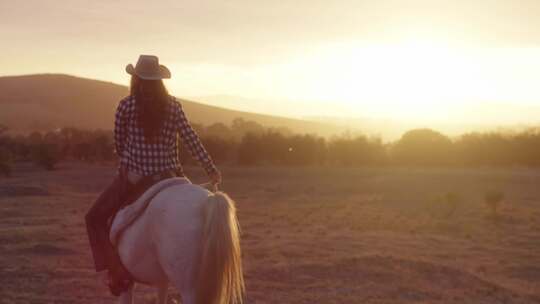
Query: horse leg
127	296
181	277
177	255
188	296
183	284
162	293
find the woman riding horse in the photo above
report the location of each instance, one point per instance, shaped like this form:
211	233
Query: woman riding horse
147	123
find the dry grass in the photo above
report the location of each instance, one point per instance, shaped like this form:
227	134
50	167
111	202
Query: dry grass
309	235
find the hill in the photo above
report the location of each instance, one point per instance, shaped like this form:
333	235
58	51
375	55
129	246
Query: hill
50	101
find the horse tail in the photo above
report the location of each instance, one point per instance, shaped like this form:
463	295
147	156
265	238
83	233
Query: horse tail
220	279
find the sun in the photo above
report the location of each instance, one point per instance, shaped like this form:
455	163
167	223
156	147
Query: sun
412	79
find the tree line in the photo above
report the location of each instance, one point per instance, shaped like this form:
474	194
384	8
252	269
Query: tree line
248	143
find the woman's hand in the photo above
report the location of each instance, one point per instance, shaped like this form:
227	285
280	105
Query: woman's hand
215	177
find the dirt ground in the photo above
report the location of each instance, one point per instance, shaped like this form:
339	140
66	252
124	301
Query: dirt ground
310	235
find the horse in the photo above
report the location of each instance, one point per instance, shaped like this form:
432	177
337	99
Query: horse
188	237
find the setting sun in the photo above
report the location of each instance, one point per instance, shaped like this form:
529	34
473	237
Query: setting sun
410	80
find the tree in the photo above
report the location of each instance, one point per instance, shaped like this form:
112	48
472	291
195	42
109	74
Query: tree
219	148
424	147
46	155
5	161
103	146
5	153
485	149
250	150
241	127
276	147
305	150
357	151
219	130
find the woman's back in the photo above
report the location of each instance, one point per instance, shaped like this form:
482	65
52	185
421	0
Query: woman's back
146	156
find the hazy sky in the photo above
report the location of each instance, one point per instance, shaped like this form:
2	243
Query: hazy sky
407	59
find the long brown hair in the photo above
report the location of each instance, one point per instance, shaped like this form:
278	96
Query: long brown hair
151	98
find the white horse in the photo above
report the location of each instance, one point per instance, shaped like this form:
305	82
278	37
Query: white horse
188	237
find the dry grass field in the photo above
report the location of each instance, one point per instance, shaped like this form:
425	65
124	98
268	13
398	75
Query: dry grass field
310	235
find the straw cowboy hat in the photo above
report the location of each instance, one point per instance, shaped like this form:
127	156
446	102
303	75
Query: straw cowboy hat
148	67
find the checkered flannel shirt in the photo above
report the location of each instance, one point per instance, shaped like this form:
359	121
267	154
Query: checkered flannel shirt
145	158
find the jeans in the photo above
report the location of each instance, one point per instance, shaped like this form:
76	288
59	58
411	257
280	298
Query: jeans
98	219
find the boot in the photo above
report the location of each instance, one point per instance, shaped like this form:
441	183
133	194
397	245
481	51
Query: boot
120	279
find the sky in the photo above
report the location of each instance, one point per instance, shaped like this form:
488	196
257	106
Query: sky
422	60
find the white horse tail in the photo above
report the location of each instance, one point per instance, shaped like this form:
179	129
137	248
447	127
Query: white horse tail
220	279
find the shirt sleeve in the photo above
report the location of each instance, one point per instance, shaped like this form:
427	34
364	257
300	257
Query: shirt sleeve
120	128
191	140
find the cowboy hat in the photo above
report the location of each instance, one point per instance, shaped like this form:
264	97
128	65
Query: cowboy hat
148	67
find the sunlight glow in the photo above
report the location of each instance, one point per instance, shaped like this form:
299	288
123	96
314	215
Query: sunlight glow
416	79
420	61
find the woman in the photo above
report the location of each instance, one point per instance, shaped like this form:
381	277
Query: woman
145	133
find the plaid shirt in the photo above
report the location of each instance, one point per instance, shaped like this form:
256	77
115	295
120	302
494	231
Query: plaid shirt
145	158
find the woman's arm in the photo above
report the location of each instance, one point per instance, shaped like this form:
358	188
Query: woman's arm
191	139
120	128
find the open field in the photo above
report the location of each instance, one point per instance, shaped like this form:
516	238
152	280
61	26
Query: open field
321	235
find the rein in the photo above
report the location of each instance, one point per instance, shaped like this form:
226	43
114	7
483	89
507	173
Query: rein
211	186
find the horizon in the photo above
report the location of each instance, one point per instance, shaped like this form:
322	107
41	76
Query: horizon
424	62
387	129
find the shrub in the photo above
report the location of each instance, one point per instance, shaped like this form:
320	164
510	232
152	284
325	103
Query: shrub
46	155
5	155
250	151
446	205
493	199
5	162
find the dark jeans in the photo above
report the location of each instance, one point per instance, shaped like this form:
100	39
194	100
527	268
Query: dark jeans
98	217
117	195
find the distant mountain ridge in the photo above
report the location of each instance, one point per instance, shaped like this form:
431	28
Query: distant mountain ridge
50	101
